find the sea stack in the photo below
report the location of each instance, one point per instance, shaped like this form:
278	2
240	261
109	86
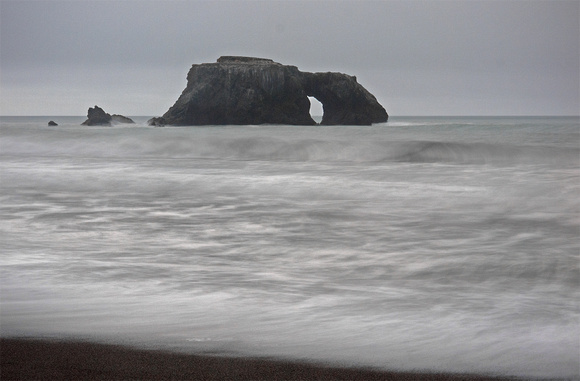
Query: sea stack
247	90
98	117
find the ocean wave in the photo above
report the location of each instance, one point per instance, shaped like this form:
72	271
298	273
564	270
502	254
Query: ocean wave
479	153
265	145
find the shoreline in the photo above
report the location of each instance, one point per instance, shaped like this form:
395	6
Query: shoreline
24	359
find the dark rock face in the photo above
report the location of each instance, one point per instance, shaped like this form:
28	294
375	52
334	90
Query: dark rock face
52	123
98	117
246	90
241	91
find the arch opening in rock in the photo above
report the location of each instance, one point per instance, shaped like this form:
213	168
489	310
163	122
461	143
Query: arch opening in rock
316	109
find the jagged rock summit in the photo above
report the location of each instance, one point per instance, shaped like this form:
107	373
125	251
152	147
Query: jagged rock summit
248	90
98	117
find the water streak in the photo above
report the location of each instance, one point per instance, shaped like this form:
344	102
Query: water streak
440	244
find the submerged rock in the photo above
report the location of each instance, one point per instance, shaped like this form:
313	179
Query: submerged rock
98	117
52	123
115	118
247	90
157	121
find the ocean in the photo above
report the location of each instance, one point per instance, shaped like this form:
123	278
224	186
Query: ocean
425	243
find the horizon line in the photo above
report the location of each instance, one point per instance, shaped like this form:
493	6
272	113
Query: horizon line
390	115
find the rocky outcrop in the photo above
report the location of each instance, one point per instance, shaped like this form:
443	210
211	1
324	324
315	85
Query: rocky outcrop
247	90
98	117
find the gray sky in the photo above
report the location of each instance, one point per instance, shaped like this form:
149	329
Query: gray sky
502	57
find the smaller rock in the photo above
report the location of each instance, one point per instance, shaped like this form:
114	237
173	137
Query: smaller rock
52	123
98	117
121	119
157	121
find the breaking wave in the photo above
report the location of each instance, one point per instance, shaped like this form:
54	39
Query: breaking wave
202	143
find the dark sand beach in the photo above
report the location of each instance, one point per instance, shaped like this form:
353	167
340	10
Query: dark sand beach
27	359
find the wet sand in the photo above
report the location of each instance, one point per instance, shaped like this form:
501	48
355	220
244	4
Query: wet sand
27	359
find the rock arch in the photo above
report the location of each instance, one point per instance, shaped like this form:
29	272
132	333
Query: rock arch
246	90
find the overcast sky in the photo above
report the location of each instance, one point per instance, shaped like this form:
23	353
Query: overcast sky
503	57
